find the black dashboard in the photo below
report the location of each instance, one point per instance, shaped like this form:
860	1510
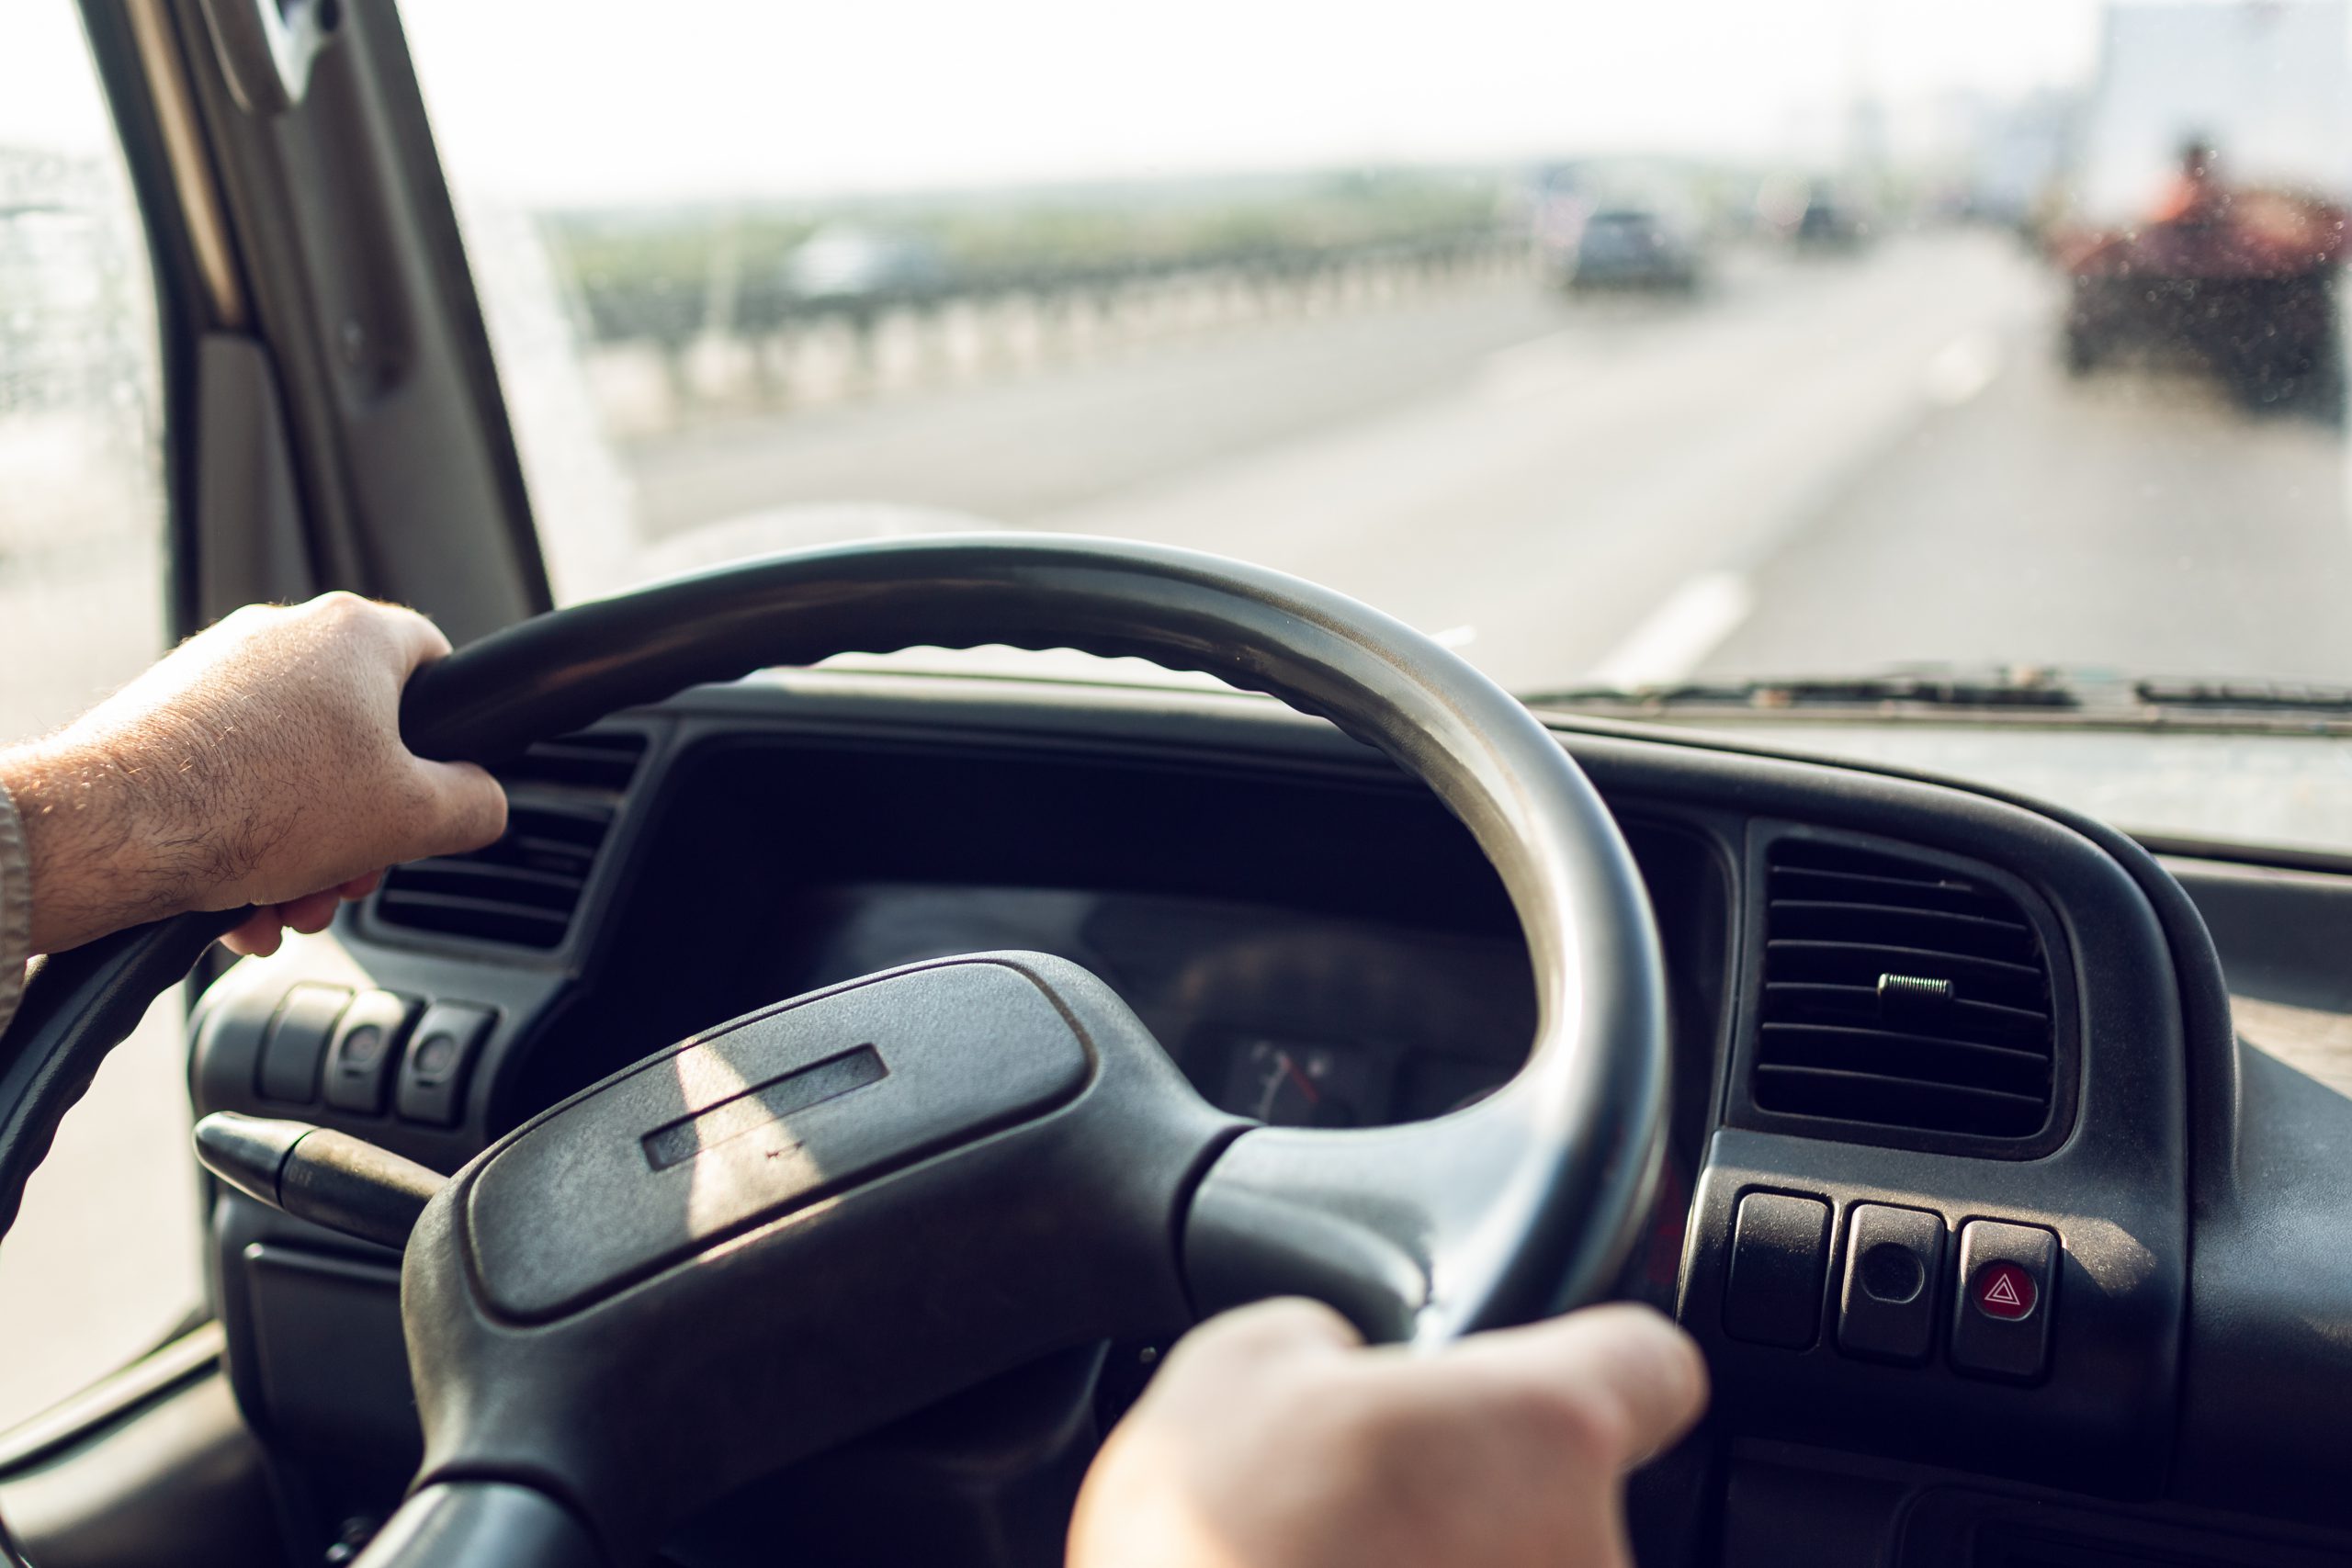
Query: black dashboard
1953	1073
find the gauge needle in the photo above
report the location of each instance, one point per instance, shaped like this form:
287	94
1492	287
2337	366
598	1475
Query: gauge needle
1305	1085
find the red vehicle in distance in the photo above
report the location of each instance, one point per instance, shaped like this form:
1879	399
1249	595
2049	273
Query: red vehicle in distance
2241	278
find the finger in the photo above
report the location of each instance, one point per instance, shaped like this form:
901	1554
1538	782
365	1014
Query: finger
258	937
1625	1363
1286	1329
360	886
465	808
311	913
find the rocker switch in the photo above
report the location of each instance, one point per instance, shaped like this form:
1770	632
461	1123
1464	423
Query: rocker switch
297	1042
1780	1258
440	1058
366	1043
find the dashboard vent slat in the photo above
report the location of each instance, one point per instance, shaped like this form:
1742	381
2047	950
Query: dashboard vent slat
1961	1063
2010	942
1898	1101
1803	882
1900	994
2023	987
1964	1020
562	798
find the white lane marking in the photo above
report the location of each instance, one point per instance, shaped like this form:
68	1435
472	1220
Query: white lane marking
1535	368
1962	369
1538	350
1502	381
1673	638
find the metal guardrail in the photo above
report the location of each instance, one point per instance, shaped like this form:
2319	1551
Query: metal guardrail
671	312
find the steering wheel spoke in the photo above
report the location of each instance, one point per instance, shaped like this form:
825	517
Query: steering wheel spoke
803	1224
1420	1233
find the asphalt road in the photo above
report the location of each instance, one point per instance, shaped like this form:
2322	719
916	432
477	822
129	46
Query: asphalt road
1818	465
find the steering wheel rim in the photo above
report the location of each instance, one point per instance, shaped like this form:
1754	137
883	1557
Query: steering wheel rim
1521	1205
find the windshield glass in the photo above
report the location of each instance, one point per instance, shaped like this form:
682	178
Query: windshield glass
1614	346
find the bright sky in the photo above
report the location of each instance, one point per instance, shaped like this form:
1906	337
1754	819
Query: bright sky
593	100
48	94
585	101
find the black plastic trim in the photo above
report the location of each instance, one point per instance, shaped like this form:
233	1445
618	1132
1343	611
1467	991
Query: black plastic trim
2140	966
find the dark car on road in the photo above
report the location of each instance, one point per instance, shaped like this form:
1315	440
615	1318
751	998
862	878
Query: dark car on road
1632	247
1829	220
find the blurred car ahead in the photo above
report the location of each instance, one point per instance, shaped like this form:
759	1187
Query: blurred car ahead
1631	247
1829	220
844	264
2210	228
2243	280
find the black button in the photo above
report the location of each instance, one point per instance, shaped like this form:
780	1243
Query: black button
440	1057
366	1043
1779	1255
2008	1286
1887	1308
298	1041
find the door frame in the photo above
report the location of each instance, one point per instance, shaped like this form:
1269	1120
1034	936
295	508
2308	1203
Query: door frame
332	413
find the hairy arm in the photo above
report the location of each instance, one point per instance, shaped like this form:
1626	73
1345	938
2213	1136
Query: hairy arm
260	762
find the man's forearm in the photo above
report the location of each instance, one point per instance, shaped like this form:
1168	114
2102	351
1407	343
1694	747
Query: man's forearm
16	906
100	850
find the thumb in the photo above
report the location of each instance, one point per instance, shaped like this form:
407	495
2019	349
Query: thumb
1626	1364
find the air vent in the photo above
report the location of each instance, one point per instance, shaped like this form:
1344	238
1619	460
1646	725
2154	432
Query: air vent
1900	994
562	796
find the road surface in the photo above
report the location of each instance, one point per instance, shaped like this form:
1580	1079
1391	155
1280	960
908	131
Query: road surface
1817	466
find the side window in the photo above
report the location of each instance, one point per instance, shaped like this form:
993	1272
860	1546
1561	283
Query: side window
103	1260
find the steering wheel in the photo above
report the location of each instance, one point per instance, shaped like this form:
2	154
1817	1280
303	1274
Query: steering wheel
753	1245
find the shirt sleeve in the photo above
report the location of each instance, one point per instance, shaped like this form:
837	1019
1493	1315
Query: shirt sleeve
16	906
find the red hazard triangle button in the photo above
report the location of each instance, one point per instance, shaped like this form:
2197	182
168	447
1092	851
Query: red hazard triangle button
2004	1290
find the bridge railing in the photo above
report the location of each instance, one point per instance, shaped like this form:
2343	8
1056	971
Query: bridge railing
662	353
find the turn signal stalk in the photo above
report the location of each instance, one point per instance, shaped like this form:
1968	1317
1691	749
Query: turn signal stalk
318	1174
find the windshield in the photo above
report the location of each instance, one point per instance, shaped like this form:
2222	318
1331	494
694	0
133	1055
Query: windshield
1614	345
